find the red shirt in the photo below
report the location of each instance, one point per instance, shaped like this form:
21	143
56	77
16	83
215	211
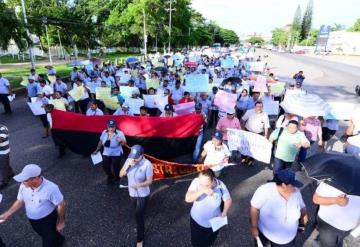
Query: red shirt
185	100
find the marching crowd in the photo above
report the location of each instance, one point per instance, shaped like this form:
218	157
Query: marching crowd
277	210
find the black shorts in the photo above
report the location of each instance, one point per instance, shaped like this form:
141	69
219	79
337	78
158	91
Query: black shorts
327	133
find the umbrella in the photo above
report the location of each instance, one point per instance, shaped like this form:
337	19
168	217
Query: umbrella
233	79
161	69
341	171
303	104
167	56
132	60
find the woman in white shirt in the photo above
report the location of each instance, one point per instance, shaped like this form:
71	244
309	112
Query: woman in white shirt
207	194
276	209
82	104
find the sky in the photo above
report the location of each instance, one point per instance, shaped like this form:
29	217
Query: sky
262	16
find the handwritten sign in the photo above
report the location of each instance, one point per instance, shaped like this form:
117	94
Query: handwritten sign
196	83
76	93
154	83
126	91
36	108
52	78
256	66
225	100
260	84
134	105
112	103
228	63
155	101
103	93
184	108
250	144
277	88
271	107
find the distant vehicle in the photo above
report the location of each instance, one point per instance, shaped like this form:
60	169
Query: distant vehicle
299	52
216	45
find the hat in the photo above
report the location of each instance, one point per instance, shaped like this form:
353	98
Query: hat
111	123
31	78
168	108
125	105
198	106
135	152
287	176
29	171
230	111
218	135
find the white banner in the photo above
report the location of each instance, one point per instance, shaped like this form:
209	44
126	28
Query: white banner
250	144
134	105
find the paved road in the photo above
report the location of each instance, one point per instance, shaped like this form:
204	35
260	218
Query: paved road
99	215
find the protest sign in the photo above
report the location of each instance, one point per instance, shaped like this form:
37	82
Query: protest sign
244	85
134	72
76	93
149	100
155	101
250	144
52	78
225	100
340	110
112	103
271	107
260	85
161	101
184	108
196	83
36	108
228	63
256	66
154	83
126	91
124	78
134	105
277	88
103	93
11	97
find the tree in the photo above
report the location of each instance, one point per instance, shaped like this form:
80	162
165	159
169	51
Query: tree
356	27
311	39
279	37
228	36
256	40
307	20
338	27
11	28
295	28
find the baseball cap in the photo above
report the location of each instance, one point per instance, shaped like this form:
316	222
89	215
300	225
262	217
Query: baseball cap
198	106
125	105
111	123
168	107
29	171
135	152
230	111
287	176
31	78
218	135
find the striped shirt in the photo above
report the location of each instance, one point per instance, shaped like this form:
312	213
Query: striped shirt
4	140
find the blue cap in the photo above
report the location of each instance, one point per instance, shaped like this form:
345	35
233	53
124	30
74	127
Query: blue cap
198	106
136	152
111	123
287	176
218	135
168	107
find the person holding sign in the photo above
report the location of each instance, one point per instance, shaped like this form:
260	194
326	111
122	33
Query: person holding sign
5	91
207	195
228	121
277	209
112	140
139	172
82	103
59	102
43	101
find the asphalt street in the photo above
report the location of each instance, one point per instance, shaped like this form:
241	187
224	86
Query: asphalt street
101	215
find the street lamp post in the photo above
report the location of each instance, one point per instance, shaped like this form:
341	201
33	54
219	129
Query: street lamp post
28	34
44	20
145	35
170	12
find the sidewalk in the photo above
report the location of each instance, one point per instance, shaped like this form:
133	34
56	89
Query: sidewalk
345	59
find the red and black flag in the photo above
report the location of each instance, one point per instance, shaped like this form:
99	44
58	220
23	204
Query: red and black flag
161	137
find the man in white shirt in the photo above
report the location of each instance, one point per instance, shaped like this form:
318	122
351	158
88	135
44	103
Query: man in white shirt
338	214
256	120
177	92
94	110
44	205
5	91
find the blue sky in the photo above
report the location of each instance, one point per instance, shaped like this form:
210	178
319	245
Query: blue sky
262	16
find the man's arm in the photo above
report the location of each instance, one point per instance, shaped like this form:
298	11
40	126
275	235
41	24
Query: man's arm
341	200
227	205
15	207
254	218
61	216
304	216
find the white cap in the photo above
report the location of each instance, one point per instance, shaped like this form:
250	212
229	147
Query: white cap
230	111
29	171
31	77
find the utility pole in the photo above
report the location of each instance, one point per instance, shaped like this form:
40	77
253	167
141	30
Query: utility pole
44	20
145	35
28	34
61	48
170	12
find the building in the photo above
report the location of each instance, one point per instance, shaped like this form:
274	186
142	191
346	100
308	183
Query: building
344	42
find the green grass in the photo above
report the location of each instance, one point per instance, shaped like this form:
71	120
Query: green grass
8	59
15	75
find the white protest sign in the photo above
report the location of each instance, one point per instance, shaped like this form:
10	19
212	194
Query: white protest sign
225	100
36	108
256	66
196	83
340	110
126	91
228	63
134	105
161	101
250	144
184	108
150	100
11	97
260	84
271	107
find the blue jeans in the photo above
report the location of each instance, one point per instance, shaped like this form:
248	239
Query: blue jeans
280	165
303	153
197	150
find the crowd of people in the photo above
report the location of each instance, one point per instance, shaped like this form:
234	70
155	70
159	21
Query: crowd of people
277	209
